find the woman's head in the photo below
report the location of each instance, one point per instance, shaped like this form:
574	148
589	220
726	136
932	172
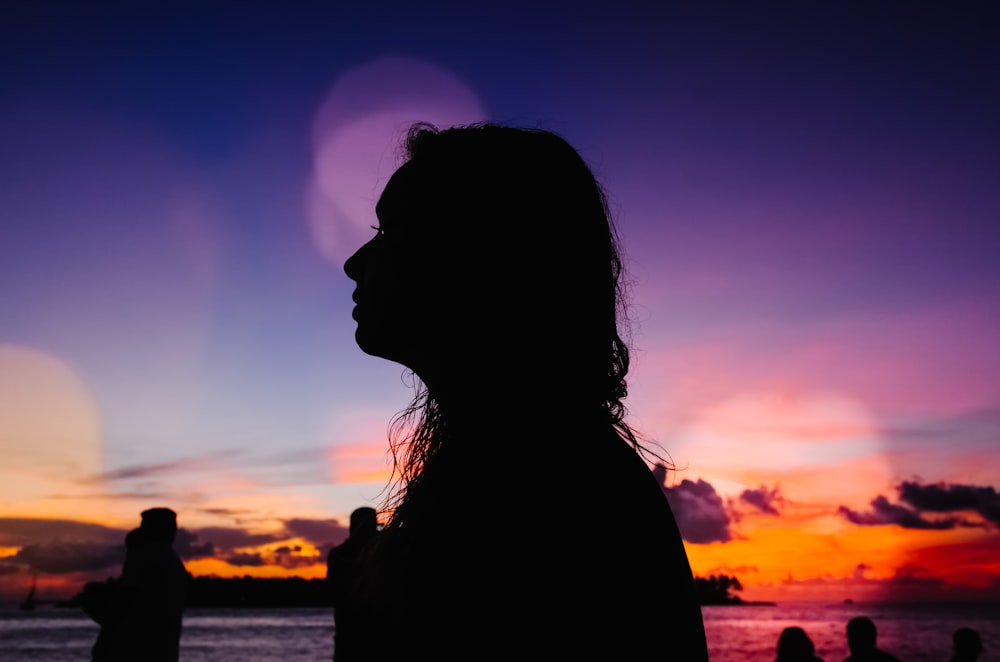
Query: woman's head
794	644
495	255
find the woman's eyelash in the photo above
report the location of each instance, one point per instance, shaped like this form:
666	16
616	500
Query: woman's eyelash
377	229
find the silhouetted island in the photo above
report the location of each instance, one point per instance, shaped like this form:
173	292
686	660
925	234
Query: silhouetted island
258	592
716	590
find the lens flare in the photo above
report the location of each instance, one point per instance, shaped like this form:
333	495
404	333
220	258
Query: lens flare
357	132
50	437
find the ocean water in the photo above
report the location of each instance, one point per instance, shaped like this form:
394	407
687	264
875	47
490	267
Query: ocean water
915	633
912	632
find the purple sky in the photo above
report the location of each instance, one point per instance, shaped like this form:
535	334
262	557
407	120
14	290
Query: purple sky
808	197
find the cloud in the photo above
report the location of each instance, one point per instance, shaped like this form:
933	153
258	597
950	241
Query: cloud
944	498
242	560
885	513
183	466
225	512
934	498
317	531
289	557
321	533
701	514
20	531
903	578
69	557
187	547
67	546
227	538
763	499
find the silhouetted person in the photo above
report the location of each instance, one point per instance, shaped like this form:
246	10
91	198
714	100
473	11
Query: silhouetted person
862	639
106	603
141	611
967	644
794	645
525	521
343	573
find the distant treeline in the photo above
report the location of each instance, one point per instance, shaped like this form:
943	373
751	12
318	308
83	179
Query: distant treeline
718	590
298	592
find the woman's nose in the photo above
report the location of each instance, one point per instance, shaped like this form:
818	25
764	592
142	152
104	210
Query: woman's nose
354	266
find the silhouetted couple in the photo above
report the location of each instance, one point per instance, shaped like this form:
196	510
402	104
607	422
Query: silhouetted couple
524	521
794	645
140	612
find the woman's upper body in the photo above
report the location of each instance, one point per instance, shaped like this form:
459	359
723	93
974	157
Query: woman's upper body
794	645
526	523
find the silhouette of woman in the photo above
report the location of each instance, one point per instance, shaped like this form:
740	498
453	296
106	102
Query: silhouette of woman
794	645
524	519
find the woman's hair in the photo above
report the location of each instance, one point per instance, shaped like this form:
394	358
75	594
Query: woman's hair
517	217
795	644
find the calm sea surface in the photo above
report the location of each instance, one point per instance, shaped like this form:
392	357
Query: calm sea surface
735	634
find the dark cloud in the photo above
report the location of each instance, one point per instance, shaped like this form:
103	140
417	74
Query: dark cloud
935	498
225	512
763	499
182	466
10	569
70	557
944	498
119	496
289	557
317	531
915	577
228	538
20	531
883	513
908	583
241	560
65	546
187	547
701	514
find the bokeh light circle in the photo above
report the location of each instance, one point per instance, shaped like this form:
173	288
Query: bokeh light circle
356	138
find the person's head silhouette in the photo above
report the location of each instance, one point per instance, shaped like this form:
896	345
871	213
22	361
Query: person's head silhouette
494	257
159	525
364	522
968	645
794	645
861	635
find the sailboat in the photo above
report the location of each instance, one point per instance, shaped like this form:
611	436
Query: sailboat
28	604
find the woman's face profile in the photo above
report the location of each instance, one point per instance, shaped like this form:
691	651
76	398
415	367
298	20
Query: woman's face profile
390	296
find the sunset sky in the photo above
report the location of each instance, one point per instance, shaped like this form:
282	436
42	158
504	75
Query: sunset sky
808	194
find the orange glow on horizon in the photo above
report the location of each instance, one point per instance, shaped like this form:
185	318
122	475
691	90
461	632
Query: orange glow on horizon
219	568
827	558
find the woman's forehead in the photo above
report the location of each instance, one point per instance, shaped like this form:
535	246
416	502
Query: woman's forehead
403	190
